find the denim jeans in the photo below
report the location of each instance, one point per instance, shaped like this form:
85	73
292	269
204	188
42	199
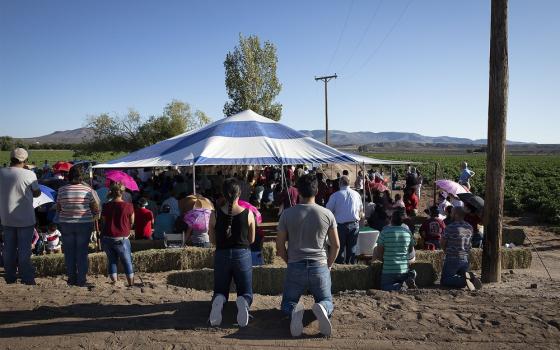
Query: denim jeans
17	253
233	264
348	236
307	275
75	241
453	273
394	281
118	250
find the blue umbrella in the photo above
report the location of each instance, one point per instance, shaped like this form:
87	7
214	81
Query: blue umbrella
47	196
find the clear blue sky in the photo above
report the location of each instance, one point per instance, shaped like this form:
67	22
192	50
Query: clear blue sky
61	61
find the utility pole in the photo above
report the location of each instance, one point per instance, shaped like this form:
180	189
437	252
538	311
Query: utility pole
326	79
496	155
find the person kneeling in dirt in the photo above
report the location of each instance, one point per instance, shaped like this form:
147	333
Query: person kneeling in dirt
232	230
456	243
395	247
306	227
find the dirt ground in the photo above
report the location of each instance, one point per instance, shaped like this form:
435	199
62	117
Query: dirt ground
155	315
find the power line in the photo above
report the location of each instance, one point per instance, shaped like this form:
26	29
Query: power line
372	18
370	57
341	35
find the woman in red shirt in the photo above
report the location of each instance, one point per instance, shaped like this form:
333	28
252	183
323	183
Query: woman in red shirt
144	220
410	202
118	218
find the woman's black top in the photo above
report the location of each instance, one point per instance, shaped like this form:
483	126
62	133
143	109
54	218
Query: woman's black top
239	230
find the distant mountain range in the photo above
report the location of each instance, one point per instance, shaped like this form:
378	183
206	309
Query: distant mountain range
341	138
336	138
64	137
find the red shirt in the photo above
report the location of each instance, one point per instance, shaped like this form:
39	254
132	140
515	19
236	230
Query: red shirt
411	202
432	229
143	223
116	216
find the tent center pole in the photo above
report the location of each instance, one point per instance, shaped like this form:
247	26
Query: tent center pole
194	179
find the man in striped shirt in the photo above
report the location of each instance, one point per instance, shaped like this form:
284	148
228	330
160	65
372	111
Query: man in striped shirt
394	244
456	243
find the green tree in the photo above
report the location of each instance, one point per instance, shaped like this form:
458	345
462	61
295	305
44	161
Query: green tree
129	133
251	80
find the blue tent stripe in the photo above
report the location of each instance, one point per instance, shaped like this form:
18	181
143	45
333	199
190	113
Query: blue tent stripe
237	129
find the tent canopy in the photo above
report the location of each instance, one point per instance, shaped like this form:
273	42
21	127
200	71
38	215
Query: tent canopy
246	138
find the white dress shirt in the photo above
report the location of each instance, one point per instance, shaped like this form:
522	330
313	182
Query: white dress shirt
346	205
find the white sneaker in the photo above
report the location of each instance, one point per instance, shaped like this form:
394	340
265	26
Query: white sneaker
242	311
216	313
325	326
296	323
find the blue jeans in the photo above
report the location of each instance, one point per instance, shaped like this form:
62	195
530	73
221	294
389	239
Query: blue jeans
453	273
307	275
75	241
233	264
17	253
118	250
348	236
394	281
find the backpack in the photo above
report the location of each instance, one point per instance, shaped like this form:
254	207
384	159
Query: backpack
198	219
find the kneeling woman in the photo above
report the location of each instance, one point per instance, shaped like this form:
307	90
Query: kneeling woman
118	218
232	231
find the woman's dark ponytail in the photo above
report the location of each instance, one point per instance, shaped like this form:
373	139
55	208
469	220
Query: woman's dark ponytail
231	191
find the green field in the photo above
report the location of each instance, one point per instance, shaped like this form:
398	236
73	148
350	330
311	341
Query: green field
532	181
39	156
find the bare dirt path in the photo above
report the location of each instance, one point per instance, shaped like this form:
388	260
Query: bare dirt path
157	315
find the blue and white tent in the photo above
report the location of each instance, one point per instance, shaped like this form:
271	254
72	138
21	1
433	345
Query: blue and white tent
246	138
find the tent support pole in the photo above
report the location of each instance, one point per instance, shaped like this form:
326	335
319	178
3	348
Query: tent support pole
194	179
392	184
435	178
363	186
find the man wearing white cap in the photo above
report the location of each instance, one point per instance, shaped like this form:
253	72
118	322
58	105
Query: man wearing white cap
18	186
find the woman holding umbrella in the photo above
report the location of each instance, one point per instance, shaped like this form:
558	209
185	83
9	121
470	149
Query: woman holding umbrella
77	205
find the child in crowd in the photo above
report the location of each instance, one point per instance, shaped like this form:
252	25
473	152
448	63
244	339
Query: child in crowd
36	243
143	220
399	203
52	239
432	230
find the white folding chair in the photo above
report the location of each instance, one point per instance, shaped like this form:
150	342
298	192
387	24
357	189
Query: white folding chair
173	240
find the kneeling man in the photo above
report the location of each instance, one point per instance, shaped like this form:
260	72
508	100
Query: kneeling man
306	227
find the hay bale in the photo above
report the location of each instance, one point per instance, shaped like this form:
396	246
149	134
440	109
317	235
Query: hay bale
197	279
515	235
269	252
193	258
157	260
269	280
426	274
354	277
97	264
49	265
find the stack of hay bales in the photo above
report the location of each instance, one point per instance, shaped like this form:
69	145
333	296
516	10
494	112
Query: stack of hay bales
428	264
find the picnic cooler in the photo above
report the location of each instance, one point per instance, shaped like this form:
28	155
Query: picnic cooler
367	239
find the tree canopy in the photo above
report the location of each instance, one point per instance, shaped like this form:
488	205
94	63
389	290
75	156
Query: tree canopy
130	132
251	80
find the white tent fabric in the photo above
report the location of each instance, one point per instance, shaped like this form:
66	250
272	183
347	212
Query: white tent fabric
242	139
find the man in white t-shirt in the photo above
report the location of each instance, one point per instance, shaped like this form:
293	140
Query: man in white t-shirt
18	187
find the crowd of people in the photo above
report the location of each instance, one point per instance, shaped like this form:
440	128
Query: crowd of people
318	225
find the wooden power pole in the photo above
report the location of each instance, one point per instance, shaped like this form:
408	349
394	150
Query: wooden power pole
496	154
326	79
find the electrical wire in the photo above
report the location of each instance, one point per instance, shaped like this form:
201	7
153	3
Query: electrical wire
340	36
374	52
368	26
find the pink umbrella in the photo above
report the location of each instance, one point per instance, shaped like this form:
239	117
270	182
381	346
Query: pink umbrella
253	209
451	187
122	177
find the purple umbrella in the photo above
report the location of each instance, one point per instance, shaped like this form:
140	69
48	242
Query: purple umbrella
451	187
